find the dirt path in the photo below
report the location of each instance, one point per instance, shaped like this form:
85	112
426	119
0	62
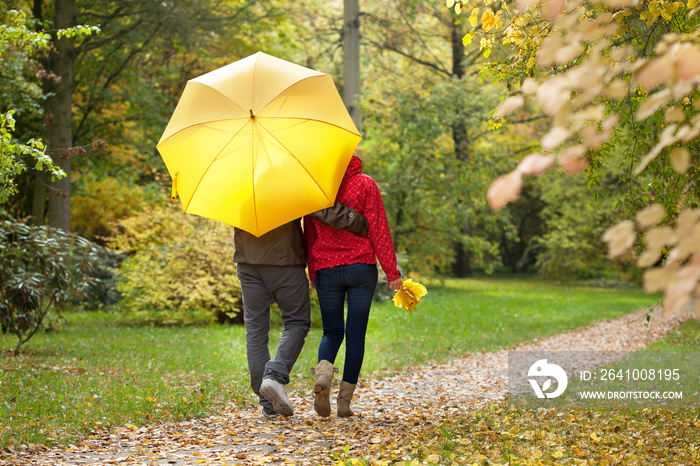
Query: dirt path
389	411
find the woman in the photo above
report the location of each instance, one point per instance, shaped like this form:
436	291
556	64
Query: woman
344	265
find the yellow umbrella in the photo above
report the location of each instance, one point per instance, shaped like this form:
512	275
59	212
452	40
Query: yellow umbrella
258	143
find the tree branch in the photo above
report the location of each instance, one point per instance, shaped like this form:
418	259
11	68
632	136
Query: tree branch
411	57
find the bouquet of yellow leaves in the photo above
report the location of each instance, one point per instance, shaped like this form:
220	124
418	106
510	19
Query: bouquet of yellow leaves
409	296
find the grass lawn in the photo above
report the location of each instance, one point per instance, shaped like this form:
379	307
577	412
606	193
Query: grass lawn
95	371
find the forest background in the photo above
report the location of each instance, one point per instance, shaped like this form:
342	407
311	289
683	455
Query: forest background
93	84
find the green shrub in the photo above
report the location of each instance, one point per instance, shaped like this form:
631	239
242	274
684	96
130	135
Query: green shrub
576	217
43	269
179	269
101	293
99	203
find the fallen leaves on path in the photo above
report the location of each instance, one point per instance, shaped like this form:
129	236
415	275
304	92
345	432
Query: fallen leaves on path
243	436
443	414
498	434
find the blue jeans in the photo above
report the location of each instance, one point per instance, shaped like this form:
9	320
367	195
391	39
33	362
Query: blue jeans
356	282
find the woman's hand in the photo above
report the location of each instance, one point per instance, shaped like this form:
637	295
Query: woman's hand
396	284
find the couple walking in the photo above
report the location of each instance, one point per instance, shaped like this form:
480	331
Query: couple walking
341	245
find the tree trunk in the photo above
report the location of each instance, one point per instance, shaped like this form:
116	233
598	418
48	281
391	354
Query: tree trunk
461	267
61	62
462	264
351	59
39	200
39	196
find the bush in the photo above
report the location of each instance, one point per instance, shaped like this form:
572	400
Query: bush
43	269
179	269
101	293
576	216
101	202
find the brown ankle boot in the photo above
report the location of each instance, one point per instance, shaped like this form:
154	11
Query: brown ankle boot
322	390
344	396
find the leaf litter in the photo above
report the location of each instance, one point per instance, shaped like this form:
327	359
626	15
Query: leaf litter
452	413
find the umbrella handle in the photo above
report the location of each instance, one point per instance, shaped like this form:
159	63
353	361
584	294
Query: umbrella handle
173	194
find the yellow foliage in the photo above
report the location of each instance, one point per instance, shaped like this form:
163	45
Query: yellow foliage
485	46
660	8
489	20
103	202
409	296
467	39
180	268
474	17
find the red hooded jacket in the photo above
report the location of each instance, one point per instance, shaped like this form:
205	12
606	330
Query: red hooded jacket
328	247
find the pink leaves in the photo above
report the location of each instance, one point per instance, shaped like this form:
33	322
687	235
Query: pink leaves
507	188
535	164
504	190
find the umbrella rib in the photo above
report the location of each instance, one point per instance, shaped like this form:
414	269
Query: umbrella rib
201	123
254	160
295	158
194	191
311	119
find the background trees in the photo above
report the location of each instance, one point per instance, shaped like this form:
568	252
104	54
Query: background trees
431	81
118	86
619	80
21	97
427	134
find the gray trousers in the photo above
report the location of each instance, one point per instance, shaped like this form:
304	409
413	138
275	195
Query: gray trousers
262	285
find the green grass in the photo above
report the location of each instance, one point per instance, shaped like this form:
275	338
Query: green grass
94	371
465	316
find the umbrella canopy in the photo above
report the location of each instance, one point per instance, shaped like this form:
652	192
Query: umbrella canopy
258	143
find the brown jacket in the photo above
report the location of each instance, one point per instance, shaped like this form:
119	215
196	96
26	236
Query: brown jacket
285	245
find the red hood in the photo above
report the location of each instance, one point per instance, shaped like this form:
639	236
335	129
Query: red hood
354	167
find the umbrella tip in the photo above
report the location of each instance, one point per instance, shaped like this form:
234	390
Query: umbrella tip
251	113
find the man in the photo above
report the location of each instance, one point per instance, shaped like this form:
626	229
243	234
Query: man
271	268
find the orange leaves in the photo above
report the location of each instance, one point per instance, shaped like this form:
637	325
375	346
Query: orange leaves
554	8
509	105
679	62
652	215
491	20
572	159
535	164
556	136
689	63
581	66
657	71
619	237
679	275
507	188
680	159
504	190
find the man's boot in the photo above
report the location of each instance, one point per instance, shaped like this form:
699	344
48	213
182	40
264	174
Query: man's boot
322	390
344	396
275	393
